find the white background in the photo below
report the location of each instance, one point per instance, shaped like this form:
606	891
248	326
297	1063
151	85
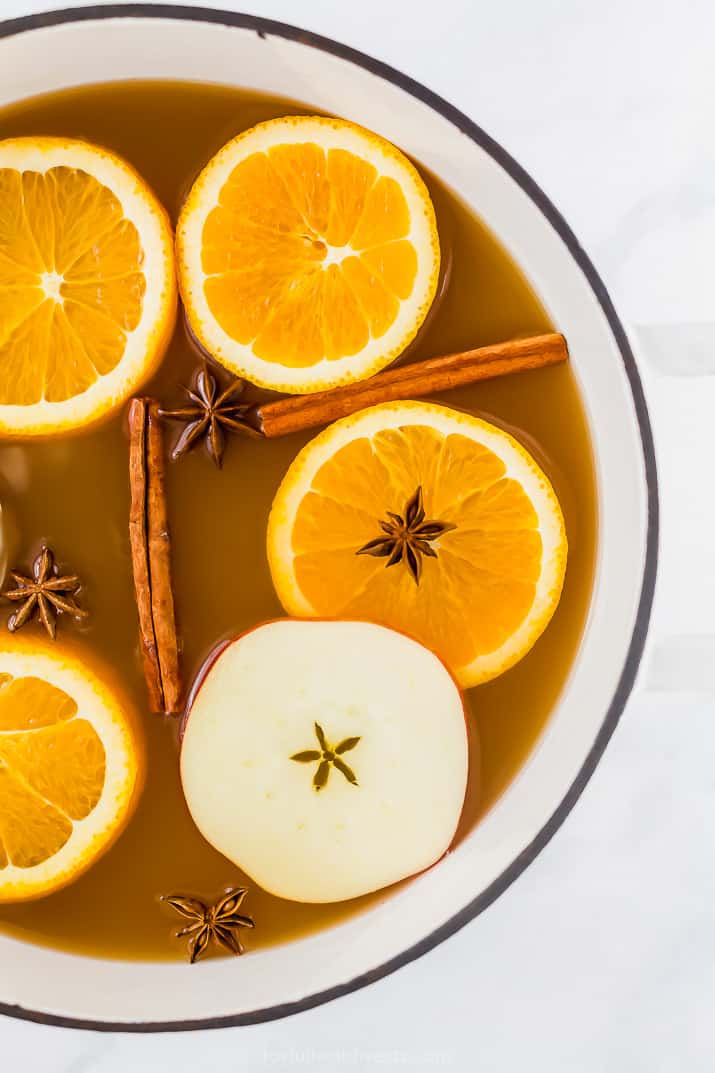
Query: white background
601	958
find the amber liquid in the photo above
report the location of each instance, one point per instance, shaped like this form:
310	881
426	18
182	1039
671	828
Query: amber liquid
73	494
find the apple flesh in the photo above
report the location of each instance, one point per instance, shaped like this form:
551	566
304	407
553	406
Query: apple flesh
326	759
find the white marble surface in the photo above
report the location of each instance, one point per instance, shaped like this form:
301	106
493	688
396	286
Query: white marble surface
600	959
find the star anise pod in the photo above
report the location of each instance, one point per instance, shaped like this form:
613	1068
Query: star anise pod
213	413
209	923
45	594
407	537
329	756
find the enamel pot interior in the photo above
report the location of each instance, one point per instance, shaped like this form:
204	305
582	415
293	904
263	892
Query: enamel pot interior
45	53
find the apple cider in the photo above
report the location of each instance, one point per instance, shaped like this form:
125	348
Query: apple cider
72	493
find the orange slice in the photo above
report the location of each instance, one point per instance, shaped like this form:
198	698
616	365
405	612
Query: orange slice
481	574
87	284
70	769
308	254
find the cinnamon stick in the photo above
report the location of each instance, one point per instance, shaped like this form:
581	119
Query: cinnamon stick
151	558
299	412
139	544
162	593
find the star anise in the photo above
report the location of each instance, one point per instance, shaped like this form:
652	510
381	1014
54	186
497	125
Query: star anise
213	413
215	923
45	594
407	537
329	756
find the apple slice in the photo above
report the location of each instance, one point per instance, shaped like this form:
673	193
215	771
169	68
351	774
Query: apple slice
326	759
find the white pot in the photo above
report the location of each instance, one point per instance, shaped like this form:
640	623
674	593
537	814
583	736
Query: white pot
48	52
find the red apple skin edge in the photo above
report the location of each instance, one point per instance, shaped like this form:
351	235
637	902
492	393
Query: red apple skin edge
221	647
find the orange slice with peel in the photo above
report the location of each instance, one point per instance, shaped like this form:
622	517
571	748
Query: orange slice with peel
71	766
87	284
308	254
428	520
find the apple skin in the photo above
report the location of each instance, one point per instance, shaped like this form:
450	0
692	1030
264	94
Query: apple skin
227	643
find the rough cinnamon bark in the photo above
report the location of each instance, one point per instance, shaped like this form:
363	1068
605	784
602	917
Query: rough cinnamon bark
151	558
299	412
138	539
162	593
